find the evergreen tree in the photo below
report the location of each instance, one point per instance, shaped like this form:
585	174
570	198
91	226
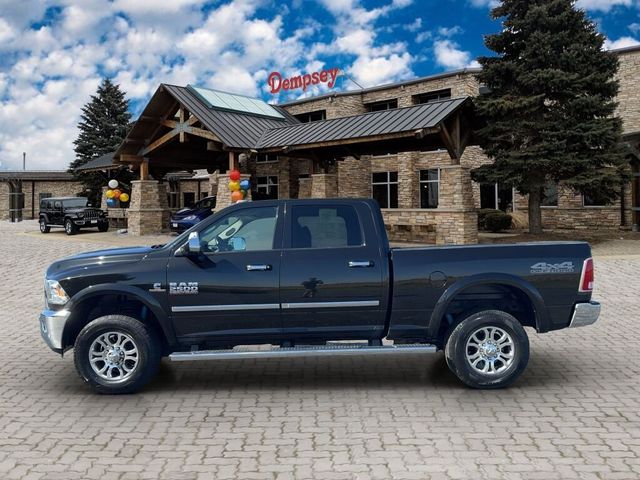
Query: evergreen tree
104	124
549	113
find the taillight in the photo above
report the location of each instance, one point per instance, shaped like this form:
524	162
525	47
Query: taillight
586	279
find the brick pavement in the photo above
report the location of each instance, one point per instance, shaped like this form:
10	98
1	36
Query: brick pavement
575	413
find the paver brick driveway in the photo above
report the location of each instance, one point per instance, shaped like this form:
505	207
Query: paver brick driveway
575	413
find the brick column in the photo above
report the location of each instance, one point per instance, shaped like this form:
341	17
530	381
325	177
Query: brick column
149	210
324	185
103	199
223	194
354	177
457	219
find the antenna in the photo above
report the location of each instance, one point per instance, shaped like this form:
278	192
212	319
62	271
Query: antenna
24	160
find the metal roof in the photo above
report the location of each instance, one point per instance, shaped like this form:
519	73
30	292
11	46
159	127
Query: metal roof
36	175
103	162
234	129
371	124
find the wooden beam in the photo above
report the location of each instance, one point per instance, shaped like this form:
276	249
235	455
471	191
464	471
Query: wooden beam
233	161
181	116
144	169
159	142
131	159
200	132
214	146
192	120
449	144
169	123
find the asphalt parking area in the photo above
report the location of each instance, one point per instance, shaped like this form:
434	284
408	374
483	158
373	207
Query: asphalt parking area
575	413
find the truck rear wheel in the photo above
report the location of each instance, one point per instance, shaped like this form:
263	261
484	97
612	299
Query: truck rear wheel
116	354
488	350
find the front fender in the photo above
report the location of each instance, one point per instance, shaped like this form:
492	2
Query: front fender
136	293
540	311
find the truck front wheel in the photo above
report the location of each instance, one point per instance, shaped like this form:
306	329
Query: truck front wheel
488	350
116	354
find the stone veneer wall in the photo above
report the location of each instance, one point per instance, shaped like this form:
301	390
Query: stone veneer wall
57	188
223	194
628	97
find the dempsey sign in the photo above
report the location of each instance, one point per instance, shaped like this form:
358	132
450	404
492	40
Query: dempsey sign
277	83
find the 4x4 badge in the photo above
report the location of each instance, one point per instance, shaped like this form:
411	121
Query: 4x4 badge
157	287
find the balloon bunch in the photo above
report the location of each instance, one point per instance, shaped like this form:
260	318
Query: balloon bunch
114	194
239	188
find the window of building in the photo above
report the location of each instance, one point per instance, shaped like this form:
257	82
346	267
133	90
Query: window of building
496	196
432	96
550	195
173	195
384	186
188	199
383	105
312	116
595	200
325	227
266	188
266	158
429	188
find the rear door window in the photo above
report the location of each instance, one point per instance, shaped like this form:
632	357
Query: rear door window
326	226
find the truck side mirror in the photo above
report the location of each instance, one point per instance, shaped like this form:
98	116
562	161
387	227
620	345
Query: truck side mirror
193	244
192	247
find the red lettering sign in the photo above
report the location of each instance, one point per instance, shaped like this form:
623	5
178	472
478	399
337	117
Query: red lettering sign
277	83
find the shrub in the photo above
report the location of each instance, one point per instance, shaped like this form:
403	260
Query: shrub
497	222
482	215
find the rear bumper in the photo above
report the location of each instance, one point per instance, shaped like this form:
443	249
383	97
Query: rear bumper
585	314
52	325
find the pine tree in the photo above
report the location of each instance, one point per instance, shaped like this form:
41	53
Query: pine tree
549	113
104	124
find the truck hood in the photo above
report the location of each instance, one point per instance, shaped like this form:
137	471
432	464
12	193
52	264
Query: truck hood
111	256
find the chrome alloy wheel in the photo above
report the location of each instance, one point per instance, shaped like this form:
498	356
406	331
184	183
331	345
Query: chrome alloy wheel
114	356
490	350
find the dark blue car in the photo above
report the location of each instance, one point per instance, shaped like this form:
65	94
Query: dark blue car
187	217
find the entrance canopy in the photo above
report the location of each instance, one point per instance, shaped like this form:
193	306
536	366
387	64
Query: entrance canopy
184	128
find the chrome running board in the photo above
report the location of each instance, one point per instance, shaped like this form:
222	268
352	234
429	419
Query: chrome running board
331	350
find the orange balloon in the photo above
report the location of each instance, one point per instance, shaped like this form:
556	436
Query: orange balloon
117	193
237	195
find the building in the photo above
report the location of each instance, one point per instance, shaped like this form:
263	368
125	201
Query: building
410	145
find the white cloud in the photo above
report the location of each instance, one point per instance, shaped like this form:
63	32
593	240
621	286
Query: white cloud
622	42
484	3
449	31
380	70
603	5
635	28
449	55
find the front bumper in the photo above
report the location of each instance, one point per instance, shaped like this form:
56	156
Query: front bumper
585	314
92	222
52	325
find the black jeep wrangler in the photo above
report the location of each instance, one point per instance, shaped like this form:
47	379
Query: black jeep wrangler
71	213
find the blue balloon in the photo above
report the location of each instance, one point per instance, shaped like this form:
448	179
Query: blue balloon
245	184
111	202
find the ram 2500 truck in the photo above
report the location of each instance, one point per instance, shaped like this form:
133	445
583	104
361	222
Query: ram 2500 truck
310	278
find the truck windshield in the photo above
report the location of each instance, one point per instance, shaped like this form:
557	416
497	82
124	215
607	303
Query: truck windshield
79	202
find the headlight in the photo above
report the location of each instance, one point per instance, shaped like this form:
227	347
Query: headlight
190	217
55	293
80	215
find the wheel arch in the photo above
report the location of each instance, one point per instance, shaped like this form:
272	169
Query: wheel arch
508	283
100	300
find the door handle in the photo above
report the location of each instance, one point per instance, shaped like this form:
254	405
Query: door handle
360	264
258	268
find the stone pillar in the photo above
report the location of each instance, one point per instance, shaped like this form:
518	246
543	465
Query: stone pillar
223	194
354	177
103	199
4	201
304	187
408	190
457	219
149	210
324	185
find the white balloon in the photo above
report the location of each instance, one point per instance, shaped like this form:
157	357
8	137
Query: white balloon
113	183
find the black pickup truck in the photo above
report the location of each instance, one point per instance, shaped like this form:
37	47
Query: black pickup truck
310	278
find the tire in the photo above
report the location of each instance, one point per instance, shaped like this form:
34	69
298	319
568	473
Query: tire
116	370
70	227
44	228
471	358
103	227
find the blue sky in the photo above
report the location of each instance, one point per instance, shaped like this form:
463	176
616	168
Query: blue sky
53	53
